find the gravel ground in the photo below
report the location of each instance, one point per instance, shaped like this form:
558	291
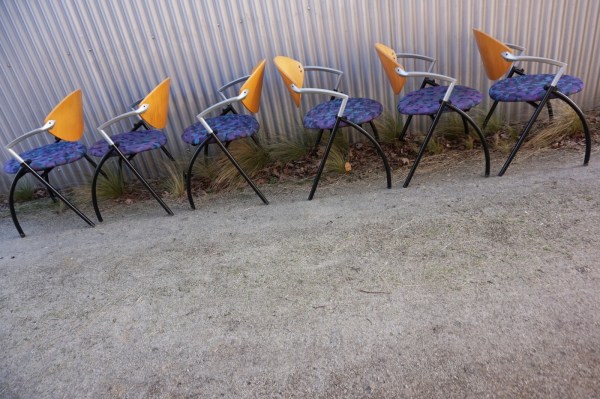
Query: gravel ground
458	286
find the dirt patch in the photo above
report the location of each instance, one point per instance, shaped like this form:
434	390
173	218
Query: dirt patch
459	286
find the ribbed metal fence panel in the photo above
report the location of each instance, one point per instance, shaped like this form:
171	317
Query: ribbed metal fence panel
117	50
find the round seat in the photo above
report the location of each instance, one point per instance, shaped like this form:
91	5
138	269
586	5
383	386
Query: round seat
48	156
131	142
426	101
358	110
525	88
227	127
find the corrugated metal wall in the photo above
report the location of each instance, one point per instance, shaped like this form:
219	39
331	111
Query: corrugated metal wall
117	50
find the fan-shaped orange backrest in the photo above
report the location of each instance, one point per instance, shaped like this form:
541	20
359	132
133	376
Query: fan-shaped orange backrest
158	102
388	59
254	86
68	117
491	51
292	72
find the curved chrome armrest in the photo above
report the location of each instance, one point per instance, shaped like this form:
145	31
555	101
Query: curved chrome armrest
418	57
445	78
218	106
515	47
329	70
232	83
562	65
332	93
143	108
47	126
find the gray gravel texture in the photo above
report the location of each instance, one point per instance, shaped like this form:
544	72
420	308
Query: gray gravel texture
458	286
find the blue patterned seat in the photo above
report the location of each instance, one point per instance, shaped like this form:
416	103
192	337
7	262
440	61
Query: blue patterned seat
426	101
358	110
227	127
532	87
48	156
131	142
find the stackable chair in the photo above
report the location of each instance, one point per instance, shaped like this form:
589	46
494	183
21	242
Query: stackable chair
431	99
228	126
65	123
340	111
151	114
536	90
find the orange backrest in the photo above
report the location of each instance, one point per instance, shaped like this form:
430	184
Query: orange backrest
292	72
68	117
388	59
158	102
491	51
254	86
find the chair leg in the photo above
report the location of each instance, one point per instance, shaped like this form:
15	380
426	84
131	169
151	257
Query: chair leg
97	172
405	128
467	119
11	200
94	165
324	159
25	168
188	176
374	129
319	137
424	145
239	168
525	131
167	153
586	129
386	165
489	115
143	181
46	177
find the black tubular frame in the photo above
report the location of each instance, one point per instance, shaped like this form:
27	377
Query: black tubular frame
330	144
466	120
44	179
215	139
551	92
113	148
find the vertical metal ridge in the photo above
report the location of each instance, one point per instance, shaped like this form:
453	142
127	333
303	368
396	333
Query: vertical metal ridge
117	50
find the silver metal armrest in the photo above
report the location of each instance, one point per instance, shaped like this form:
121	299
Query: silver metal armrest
418	57
232	83
143	108
445	78
329	70
515	47
218	106
333	93
562	65
47	126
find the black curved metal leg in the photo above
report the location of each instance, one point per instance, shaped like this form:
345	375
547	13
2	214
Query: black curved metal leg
324	159
467	119
319	137
239	168
586	129
489	114
11	200
386	165
405	127
436	119
525	131
188	176
46	177
95	182
167	153
374	129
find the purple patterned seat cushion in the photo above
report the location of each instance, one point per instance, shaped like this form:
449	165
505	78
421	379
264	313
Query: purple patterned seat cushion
48	156
131	142
531	87
358	110
228	128
426	101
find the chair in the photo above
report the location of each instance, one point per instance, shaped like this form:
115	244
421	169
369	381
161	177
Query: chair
536	90
430	99
151	113
65	123
228	126
340	111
